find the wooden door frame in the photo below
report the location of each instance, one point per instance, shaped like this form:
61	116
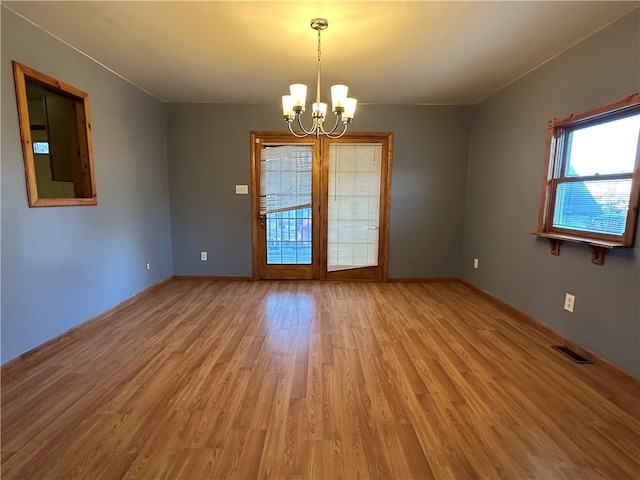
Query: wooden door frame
320	202
258	254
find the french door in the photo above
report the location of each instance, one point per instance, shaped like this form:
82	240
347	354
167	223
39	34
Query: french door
320	206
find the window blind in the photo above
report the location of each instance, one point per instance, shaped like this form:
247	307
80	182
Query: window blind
354	206
594	206
285	178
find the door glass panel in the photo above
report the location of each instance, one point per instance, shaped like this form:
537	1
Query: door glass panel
353	206
285	203
289	237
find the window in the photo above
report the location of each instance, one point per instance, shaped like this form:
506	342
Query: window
41	148
590	190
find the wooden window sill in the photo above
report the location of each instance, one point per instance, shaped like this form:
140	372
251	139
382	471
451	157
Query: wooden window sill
597	247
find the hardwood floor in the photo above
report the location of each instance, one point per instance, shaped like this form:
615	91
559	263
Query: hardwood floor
310	380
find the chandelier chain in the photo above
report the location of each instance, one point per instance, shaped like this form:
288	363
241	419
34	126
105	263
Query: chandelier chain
319	48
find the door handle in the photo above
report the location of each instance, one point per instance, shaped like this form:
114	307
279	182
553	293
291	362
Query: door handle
261	219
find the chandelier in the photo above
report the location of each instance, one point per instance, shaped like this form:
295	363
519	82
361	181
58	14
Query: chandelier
293	105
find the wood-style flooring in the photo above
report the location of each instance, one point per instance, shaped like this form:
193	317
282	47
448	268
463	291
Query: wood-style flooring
314	380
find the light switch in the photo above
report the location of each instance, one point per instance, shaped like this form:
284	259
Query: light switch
242	189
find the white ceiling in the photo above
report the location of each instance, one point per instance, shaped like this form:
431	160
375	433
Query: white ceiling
419	52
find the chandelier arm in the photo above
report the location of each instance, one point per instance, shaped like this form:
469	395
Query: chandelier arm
314	126
296	134
346	126
334	127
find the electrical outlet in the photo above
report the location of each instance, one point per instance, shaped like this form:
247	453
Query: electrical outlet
475	263
147	266
203	256
242	189
569	302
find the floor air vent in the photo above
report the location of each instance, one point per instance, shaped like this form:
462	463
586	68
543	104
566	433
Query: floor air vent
576	357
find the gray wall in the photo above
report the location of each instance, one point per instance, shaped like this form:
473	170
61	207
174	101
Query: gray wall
209	152
507	151
64	265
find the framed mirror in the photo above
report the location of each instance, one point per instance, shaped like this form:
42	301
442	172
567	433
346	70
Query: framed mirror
56	140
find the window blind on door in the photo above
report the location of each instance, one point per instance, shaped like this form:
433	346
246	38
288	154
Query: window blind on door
285	178
354	206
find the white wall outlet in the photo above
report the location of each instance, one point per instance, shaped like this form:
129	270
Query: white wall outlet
147	266
569	302
475	263
242	189
203	256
